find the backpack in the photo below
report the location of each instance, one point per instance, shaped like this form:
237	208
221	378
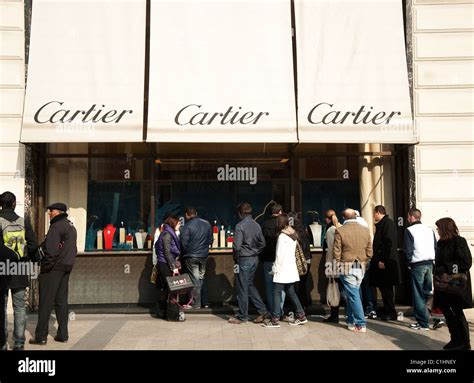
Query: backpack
14	235
301	263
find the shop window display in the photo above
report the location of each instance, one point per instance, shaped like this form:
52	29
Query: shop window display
118	205
121	193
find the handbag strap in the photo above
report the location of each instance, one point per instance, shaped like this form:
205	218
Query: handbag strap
175	301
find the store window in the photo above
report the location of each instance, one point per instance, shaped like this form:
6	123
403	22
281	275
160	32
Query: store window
215	188
118	203
130	196
329	182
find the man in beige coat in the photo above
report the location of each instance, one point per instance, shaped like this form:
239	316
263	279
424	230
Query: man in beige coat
352	251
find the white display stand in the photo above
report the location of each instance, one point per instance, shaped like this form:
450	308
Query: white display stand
316	232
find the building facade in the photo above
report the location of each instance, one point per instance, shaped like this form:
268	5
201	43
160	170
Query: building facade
137	182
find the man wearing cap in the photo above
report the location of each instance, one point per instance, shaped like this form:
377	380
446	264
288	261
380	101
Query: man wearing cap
60	250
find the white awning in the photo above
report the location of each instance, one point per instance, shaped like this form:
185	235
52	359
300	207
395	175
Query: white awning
86	71
221	71
352	72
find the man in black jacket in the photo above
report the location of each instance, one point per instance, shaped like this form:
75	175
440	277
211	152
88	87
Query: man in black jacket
249	242
270	232
196	238
60	250
17	283
385	266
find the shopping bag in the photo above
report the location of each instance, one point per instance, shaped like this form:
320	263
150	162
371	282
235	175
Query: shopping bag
179	284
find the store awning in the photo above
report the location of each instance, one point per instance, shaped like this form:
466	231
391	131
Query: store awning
221	71
352	72
86	71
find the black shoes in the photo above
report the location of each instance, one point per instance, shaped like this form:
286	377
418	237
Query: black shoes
453	346
19	348
331	319
40	342
43	342
58	339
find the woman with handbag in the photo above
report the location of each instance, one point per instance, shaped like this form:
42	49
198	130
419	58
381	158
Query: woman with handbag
168	249
285	273
452	283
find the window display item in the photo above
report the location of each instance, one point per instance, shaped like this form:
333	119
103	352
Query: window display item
129	241
316	229
121	233
109	232
230	240
222	242
100	241
140	237
215	236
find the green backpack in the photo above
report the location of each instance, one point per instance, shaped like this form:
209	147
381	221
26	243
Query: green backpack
14	235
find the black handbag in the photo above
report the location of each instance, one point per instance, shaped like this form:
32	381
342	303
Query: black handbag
454	284
179	284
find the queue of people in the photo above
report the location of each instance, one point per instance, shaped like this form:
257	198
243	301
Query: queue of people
427	258
359	263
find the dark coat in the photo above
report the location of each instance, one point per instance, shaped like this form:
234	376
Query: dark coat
270	232
451	254
6	254
196	238
248	239
60	245
385	250
22	281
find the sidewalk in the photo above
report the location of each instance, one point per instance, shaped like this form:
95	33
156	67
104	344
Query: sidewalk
212	332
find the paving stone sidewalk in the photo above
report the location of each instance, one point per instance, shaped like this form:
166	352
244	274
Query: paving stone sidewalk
212	332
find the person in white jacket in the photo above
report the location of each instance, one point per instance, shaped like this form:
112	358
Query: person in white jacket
285	273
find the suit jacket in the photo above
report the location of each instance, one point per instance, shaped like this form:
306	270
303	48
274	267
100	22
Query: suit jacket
352	242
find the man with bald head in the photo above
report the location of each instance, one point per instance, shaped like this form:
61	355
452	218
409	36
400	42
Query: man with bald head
352	251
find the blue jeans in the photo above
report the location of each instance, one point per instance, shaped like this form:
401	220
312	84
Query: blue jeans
246	289
421	283
354	310
196	268
267	268
205	292
278	288
19	316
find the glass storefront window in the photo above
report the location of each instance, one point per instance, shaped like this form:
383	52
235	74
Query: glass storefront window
137	193
118	198
215	188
